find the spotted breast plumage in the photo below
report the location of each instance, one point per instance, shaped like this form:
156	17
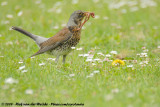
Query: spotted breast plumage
65	48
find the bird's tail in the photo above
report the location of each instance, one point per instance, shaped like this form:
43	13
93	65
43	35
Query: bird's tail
24	32
37	39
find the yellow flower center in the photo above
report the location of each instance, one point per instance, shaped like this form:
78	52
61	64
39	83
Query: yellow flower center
118	62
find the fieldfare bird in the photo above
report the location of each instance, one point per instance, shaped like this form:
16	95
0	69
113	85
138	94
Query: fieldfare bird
61	43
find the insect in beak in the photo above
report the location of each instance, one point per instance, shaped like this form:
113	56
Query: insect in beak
87	16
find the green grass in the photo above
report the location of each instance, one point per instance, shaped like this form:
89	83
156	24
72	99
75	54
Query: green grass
112	86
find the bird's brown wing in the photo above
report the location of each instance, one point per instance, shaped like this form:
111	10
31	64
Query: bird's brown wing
60	38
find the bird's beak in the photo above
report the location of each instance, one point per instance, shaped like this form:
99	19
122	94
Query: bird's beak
87	16
85	13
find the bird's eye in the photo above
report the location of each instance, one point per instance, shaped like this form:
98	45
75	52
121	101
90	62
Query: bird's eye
80	14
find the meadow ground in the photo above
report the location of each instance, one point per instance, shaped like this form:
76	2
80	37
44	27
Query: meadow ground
128	30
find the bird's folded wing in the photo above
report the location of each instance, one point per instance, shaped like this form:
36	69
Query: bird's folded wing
61	37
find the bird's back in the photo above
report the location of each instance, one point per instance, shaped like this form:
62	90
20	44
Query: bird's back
65	40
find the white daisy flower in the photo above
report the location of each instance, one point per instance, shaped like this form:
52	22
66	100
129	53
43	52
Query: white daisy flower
95	1
105	18
11	80
38	2
100	53
20	13
130	95
20	62
96	71
56	27
143	55
75	1
108	97
80	55
97	16
29	91
89	60
58	10
71	75
86	55
22	67
130	66
24	71
108	55
63	24
9	16
4	3
97	59
116	90
53	59
79	49
133	9
73	47
41	64
113	52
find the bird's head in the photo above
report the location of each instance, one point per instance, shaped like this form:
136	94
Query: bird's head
76	18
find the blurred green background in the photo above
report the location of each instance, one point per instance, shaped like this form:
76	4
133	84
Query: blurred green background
129	27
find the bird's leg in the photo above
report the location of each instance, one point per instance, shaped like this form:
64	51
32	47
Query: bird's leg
64	58
57	58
